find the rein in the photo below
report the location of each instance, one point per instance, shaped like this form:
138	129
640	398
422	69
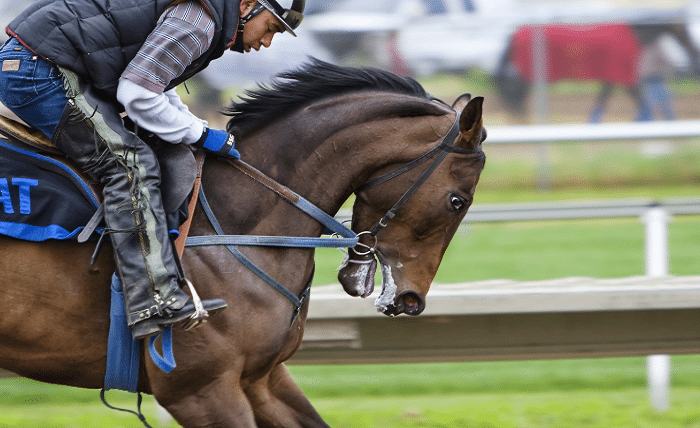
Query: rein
347	239
297	302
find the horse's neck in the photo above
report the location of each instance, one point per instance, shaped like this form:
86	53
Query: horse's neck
329	172
322	153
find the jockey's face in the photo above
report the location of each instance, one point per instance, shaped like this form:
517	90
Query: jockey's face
259	31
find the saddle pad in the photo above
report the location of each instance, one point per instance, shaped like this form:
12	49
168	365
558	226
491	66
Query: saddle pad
41	198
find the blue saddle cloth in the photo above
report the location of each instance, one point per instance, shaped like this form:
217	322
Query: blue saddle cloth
40	197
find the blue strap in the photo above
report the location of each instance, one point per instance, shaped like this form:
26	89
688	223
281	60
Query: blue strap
123	352
348	238
165	362
325	219
270	241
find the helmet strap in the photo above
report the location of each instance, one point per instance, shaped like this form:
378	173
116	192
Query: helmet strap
238	44
252	14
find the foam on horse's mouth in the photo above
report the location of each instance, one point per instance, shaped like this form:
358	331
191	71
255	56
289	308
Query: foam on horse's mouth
388	295
358	280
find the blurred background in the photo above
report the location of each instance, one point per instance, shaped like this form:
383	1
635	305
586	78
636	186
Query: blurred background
535	62
633	64
646	52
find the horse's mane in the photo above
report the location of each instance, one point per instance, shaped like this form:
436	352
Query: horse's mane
313	81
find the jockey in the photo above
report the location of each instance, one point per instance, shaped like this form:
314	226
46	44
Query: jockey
71	67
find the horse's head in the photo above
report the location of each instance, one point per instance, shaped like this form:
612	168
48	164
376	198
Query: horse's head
410	242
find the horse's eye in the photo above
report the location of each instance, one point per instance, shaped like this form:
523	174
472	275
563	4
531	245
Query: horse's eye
457	203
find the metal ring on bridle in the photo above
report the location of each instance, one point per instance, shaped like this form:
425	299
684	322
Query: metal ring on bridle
370	249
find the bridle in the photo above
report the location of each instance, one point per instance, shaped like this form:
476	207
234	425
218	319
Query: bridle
444	147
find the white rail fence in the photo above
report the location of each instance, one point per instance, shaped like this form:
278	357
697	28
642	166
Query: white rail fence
593	132
542	135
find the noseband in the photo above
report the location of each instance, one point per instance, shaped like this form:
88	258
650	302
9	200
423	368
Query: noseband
445	147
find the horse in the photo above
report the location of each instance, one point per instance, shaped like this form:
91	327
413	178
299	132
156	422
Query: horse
608	53
326	132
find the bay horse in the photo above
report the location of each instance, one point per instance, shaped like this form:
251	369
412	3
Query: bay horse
324	131
608	53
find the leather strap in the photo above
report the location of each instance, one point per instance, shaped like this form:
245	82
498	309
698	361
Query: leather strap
185	227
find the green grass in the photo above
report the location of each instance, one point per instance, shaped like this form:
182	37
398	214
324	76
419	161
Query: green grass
593	409
486	195
558	393
589	168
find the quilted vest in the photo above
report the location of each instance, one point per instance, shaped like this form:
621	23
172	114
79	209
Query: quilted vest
97	39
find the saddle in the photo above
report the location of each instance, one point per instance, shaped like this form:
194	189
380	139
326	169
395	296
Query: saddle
44	195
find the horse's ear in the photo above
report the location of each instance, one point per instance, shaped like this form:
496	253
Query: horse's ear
471	124
461	102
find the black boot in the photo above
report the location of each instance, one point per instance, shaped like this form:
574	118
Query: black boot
187	315
92	133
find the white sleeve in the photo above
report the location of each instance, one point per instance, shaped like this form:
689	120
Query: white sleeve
162	114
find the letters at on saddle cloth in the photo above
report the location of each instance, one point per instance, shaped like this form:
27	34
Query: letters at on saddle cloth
40	198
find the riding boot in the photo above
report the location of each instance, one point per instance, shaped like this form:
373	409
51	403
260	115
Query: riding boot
91	132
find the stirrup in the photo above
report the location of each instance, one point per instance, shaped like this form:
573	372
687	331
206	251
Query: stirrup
200	314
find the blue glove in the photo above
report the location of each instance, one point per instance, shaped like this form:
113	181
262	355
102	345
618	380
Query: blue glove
219	142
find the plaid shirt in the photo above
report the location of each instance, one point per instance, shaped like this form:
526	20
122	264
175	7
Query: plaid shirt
184	32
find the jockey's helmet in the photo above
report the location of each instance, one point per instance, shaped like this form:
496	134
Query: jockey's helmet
289	12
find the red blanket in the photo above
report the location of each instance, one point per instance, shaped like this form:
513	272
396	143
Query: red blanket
584	52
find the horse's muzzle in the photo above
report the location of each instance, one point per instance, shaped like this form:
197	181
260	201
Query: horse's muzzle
408	302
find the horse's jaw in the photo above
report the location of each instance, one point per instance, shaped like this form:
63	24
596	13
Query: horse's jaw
357	279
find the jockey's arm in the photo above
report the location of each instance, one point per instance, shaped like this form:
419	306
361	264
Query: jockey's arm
169	118
162	114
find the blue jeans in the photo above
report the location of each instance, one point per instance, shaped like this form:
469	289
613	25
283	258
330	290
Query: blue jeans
31	87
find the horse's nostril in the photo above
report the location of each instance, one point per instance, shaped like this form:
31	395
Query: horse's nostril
412	303
410	300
